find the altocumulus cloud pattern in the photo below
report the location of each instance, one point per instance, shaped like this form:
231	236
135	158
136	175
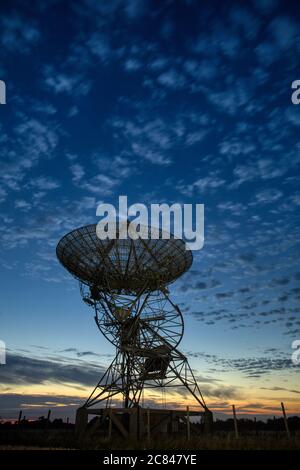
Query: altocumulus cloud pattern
164	102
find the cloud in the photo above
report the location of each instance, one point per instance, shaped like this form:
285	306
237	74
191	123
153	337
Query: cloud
3	194
120	165
283	37
249	366
43	183
283	281
157	139
285	31
22	205
268	196
109	173
293	115
224	295
234	148
171	79
260	169
101	185
48	223
21	370
265	6
99	45
223	392
234	97
189	285
134	9
80	353
77	171
38	405
150	140
235	208
219	39
247	257
280	389
131	65
244	21
43	107
28	142
18	34
208	183
71	84
199	70
266	53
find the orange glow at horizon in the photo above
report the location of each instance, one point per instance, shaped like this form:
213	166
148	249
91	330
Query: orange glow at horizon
71	396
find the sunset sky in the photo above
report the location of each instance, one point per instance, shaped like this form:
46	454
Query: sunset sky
186	102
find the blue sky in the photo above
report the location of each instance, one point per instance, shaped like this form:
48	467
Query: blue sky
163	102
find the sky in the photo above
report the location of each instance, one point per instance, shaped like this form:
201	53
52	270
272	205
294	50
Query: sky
165	102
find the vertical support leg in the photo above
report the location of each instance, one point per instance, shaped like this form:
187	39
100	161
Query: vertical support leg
81	421
133	422
188	424
208	421
148	425
285	421
110	424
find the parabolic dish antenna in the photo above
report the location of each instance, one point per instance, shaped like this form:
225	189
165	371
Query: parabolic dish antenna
125	282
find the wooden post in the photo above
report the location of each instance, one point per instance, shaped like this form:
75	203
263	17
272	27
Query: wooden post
110	424
235	423
67	419
81	422
20	417
148	424
188	424
48	419
285	421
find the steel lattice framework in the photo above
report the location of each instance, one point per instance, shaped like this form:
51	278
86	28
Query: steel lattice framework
126	282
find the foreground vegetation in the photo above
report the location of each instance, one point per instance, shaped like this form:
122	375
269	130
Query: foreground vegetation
66	439
56	434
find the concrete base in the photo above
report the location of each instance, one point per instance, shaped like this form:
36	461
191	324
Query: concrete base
139	423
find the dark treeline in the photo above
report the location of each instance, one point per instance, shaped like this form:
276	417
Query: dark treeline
40	423
244	424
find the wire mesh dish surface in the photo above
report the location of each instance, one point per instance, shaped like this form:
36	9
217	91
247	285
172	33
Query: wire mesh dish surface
123	264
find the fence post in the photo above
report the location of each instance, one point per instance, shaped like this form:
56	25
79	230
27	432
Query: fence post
285	421
110	424
48	419
188	425
20	417
235	423
148	424
255	426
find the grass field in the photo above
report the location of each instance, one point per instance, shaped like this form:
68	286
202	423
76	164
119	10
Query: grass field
52	439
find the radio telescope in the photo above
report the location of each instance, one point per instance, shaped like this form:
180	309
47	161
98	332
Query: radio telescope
125	282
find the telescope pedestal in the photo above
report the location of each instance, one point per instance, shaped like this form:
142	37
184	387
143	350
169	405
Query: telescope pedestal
133	422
